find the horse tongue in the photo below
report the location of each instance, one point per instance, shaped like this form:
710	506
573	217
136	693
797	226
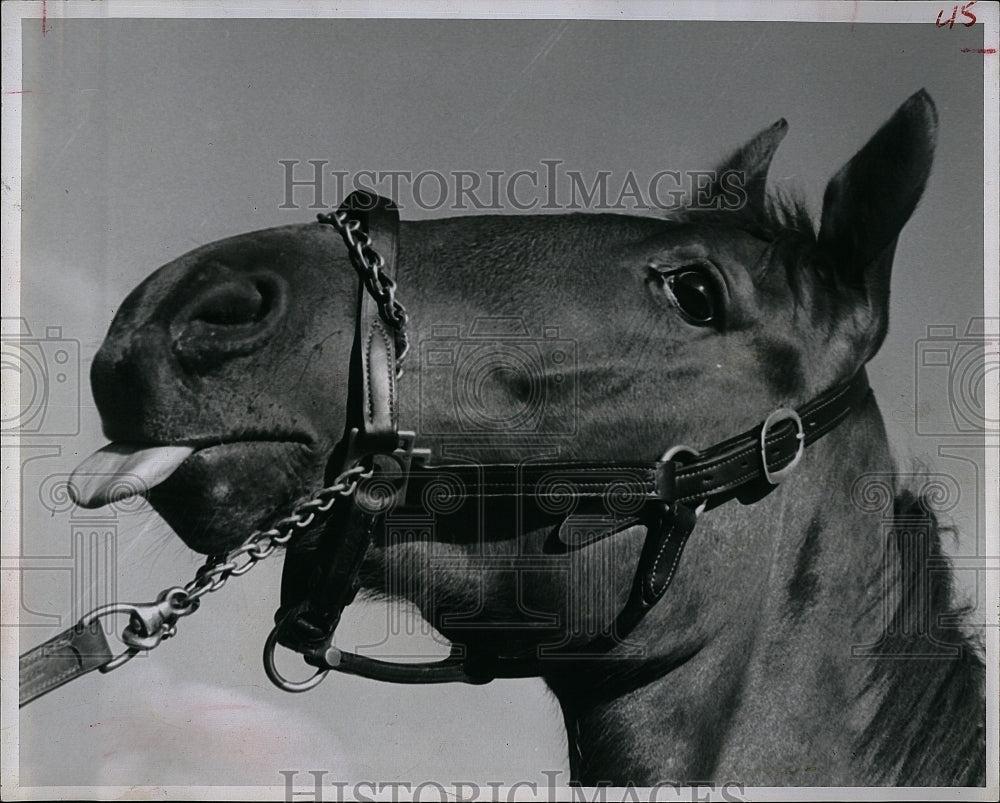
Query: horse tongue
121	470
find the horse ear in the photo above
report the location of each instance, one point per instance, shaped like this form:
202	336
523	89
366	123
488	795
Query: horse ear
869	200
751	162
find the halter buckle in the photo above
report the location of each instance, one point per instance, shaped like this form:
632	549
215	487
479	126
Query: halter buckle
778	476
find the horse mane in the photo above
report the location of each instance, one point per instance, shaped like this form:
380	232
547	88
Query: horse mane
926	671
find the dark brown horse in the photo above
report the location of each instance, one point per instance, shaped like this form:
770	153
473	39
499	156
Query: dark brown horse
789	646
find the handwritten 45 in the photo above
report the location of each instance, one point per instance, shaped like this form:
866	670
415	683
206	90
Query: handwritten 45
964	11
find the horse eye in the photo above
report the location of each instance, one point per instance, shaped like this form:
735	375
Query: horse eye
695	296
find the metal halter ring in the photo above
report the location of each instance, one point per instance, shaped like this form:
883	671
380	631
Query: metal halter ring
271	669
781	414
681	449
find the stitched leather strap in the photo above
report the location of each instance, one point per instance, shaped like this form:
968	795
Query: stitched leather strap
548	485
63	658
662	552
372	404
316	586
734	468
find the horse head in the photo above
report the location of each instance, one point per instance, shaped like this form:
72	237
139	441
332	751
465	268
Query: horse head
223	384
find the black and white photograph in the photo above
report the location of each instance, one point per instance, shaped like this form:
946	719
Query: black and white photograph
510	401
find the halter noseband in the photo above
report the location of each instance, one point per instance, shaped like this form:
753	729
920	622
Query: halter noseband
666	496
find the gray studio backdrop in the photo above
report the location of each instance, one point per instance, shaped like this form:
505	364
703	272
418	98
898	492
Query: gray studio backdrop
144	139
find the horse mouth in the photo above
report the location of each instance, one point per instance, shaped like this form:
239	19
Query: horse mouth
213	495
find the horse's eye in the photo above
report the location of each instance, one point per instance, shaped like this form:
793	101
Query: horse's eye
695	295
694	290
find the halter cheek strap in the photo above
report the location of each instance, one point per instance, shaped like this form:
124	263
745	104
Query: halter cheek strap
666	496
317	586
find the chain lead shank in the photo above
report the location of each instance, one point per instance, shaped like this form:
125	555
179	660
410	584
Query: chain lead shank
152	622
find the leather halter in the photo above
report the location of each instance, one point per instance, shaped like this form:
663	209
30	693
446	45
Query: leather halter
666	496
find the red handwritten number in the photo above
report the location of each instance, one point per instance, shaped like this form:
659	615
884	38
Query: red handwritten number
955	11
949	22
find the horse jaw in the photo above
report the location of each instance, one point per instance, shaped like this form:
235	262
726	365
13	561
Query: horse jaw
213	506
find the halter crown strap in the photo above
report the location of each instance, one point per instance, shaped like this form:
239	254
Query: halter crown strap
750	465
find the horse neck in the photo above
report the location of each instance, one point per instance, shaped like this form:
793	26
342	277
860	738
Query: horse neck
774	696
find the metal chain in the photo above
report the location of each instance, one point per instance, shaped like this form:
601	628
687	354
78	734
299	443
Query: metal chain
369	263
152	622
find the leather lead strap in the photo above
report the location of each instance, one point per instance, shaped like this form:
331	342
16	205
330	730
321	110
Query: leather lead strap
63	658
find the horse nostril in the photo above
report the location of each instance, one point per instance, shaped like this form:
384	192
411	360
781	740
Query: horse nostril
232	304
232	317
